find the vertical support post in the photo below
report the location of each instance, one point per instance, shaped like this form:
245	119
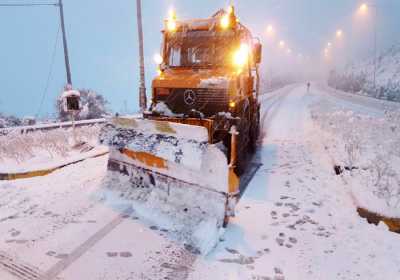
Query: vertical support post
233	180
73	127
375	48
142	87
65	45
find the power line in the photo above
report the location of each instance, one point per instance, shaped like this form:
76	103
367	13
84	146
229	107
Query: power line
44	94
27	4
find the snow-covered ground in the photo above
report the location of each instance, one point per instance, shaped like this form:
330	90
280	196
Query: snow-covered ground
40	150
363	134
296	219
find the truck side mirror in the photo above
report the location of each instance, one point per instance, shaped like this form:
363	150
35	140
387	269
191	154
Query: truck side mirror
257	53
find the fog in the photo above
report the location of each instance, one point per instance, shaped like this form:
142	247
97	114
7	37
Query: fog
102	39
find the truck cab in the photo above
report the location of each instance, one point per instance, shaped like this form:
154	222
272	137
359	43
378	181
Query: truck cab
206	67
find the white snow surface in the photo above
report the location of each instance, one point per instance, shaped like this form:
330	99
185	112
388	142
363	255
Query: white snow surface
41	150
45	162
364	135
164	110
296	219
69	93
216	82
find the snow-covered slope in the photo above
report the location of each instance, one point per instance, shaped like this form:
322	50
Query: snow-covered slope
359	77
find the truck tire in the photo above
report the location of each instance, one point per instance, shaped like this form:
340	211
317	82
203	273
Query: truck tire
254	132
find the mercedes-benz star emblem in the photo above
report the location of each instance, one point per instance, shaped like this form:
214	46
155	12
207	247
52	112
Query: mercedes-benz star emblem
189	96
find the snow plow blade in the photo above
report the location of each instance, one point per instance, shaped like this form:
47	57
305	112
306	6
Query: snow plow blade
173	175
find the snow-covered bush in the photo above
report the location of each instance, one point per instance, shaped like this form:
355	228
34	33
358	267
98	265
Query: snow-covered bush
8	121
369	148
3	122
93	105
56	143
384	180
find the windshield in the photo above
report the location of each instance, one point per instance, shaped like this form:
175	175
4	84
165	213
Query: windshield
199	49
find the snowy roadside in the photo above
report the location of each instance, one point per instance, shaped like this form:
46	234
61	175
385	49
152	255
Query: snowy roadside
65	226
39	150
368	146
359	103
297	220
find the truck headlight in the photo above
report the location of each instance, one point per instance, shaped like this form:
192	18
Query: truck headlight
225	21
241	56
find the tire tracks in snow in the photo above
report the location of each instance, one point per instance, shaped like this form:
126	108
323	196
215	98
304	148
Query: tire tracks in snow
19	269
270	111
85	246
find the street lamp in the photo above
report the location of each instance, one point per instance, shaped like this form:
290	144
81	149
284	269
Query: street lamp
364	9
270	29
281	44
339	33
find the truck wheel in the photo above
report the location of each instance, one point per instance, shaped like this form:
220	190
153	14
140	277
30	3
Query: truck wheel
254	133
242	150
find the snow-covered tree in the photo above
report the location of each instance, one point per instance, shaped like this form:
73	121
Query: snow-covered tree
359	77
7	121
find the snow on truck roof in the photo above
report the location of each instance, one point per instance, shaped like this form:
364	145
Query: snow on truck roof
205	23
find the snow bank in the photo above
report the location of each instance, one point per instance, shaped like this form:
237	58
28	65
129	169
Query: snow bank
370	147
42	150
163	109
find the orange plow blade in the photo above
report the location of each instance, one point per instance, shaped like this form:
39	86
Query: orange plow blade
173	177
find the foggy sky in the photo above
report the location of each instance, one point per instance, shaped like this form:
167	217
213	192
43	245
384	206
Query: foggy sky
103	48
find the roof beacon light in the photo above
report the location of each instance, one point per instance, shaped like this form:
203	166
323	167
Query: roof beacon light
228	18
171	21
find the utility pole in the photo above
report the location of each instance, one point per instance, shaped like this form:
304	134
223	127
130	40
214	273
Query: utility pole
66	57
375	47
142	87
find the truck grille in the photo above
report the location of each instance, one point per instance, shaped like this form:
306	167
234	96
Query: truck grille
207	101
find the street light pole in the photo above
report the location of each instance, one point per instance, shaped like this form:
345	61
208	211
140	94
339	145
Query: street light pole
66	57
364	8
375	46
142	87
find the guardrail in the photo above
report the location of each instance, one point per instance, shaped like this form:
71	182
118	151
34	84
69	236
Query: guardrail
49	126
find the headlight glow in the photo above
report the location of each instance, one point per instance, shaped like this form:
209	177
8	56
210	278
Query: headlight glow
241	56
171	21
225	21
158	58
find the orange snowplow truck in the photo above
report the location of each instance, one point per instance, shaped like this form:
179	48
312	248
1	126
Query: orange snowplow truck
208	76
185	154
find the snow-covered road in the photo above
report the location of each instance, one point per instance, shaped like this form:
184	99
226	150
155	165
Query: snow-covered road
296	219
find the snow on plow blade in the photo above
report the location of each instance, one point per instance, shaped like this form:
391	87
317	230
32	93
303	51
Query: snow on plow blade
174	176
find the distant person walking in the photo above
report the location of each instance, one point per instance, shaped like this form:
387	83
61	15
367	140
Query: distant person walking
308	87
